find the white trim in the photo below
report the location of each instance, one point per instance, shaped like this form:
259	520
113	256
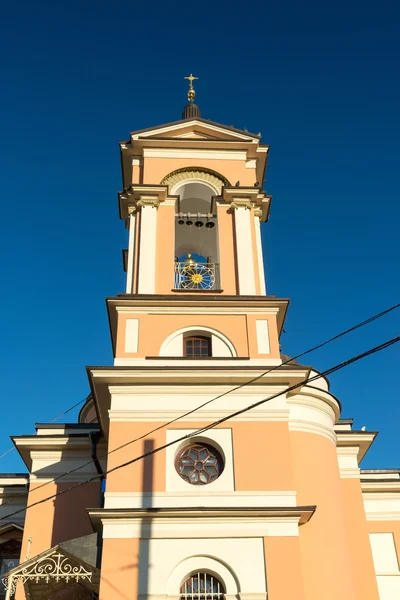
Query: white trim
193	527
262	331
196	154
221	439
201	563
244	252
212	499
198	126
164	351
184	182
215	362
147	254
164	416
131	335
251	163
260	257
384	553
197	309
131	254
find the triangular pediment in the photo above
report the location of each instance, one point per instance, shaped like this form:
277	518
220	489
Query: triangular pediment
198	129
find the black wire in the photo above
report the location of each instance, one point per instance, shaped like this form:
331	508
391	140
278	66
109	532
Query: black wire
238	387
215	423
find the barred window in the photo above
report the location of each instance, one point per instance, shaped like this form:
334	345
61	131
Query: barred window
202	586
197	346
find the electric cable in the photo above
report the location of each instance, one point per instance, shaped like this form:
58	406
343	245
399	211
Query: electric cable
240	386
320	375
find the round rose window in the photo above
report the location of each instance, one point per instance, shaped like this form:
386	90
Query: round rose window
199	464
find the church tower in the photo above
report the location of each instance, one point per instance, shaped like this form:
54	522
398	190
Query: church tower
197	504
237	510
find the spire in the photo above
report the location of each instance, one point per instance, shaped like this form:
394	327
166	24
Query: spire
191	110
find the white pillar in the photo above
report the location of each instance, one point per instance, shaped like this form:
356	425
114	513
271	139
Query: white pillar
131	253
257	225
147	251
244	250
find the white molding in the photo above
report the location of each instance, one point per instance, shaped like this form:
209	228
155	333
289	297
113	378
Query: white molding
131	254
139	416
262	331
260	257
131	335
190	153
193	527
197	309
199	125
215	362
382	506
213	499
147	253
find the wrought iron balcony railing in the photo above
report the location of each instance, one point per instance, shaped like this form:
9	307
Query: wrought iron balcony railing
196	276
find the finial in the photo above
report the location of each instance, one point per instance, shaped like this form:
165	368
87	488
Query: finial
191	92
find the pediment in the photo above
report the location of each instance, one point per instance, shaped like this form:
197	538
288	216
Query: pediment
198	129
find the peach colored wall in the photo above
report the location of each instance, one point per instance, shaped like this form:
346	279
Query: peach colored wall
227	258
360	549
273	335
283	567
262	456
324	540
59	519
165	249
155	169
119	569
252	438
154	330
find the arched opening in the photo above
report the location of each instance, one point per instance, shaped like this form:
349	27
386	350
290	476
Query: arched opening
196	236
202	586
197	343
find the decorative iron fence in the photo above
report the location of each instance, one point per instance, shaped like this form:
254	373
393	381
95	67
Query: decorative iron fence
197	276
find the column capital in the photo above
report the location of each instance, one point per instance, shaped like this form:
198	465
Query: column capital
148	201
242	203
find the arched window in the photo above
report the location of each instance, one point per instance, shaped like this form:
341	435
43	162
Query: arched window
202	586
197	346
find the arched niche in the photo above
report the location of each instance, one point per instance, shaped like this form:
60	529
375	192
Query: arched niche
210	564
221	346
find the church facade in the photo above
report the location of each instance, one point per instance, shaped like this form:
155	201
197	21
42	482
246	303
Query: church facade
158	493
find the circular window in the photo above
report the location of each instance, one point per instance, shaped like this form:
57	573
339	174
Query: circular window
199	464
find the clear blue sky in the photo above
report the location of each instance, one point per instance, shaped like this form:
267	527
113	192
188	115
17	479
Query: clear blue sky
319	80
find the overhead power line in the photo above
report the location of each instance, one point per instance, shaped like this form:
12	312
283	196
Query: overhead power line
201	430
240	386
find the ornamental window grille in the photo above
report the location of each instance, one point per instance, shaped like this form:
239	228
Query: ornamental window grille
197	347
202	586
199	464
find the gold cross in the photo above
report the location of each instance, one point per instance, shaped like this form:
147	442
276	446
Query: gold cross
191	79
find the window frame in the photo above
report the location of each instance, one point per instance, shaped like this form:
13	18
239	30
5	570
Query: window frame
201	339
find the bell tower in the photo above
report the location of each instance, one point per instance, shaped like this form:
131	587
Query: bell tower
193	204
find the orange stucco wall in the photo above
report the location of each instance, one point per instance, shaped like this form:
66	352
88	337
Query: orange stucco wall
249	439
155	169
255	439
227	256
59	519
165	249
119	569
155	329
324	540
283	567
360	549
